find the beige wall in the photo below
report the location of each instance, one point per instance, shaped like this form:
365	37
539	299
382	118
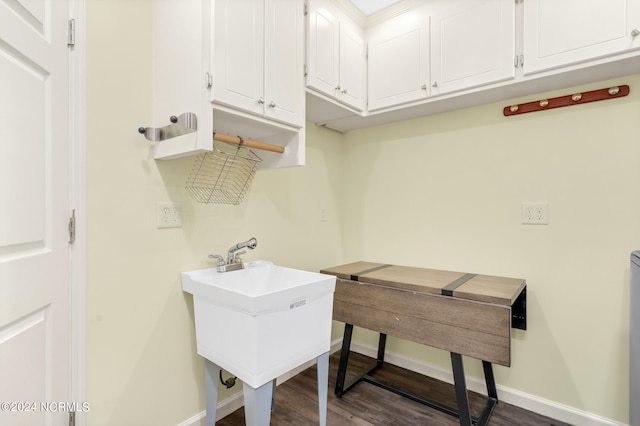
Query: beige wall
142	368
445	192
441	191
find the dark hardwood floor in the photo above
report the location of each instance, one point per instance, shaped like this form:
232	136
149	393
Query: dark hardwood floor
366	404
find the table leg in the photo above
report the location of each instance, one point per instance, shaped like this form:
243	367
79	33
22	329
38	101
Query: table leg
344	359
323	386
461	389
211	372
257	404
490	380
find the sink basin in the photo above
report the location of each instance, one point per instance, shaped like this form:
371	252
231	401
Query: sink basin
262	321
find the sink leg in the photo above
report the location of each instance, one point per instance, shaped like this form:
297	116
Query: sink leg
323	386
211	373
257	404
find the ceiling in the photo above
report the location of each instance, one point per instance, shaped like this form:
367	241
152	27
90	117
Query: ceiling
369	7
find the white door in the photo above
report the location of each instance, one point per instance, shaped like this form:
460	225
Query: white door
353	72
34	195
399	62
558	33
238	61
322	50
472	44
284	61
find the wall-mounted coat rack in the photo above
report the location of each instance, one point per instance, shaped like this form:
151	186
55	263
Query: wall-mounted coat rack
568	100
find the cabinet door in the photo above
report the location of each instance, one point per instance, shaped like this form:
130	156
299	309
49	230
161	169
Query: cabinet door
353	74
238	60
558	33
284	64
398	62
472	44
323	48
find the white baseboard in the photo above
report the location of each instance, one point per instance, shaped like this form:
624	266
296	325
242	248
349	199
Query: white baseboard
515	397
510	396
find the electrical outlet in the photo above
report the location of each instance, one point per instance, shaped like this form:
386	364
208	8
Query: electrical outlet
168	215
535	213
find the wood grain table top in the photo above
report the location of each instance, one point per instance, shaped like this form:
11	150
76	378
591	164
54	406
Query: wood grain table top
463	285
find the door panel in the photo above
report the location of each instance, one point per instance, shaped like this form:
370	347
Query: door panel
353	73
34	189
399	64
558	33
284	53
472	44
323	50
238	54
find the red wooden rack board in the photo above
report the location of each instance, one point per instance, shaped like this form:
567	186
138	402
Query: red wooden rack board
569	100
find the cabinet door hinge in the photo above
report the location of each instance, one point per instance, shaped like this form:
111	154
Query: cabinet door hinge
306	70
518	1
518	61
208	80
72	418
71	33
306	9
72	227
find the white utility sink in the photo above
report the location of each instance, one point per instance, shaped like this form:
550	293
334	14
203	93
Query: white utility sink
262	321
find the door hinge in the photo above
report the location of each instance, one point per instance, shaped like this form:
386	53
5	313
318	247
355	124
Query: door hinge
518	61
72	418
71	33
306	9
208	80
72	227
306	70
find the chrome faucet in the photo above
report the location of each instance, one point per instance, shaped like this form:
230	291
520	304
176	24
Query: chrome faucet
233	256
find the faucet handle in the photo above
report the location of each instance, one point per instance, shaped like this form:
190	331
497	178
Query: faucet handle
236	256
217	256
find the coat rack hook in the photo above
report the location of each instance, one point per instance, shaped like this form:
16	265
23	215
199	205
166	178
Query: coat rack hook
568	100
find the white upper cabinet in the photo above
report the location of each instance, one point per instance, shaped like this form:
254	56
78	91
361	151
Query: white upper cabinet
238	55
399	61
323	51
335	56
353	72
258	58
238	65
284	61
472	44
561	33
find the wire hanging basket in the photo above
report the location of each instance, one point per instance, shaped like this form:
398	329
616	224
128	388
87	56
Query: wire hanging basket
223	175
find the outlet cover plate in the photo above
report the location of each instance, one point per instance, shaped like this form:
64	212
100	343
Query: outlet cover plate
168	215
535	213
